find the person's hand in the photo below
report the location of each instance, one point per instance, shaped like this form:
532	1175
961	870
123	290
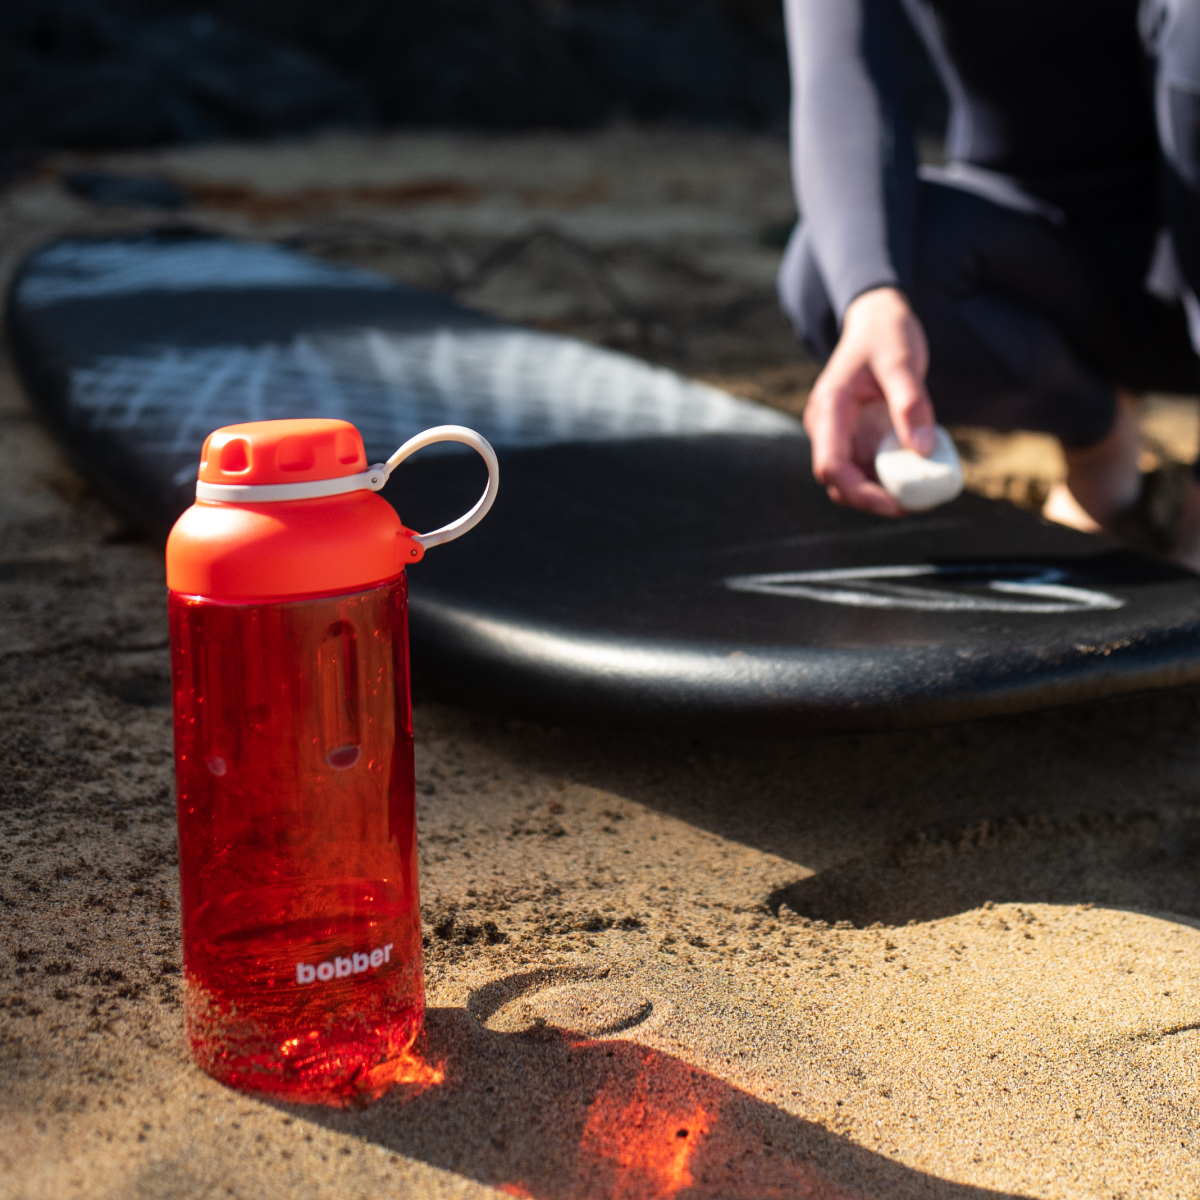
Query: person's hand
873	382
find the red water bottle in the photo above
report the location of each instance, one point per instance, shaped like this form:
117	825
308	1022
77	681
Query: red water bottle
294	759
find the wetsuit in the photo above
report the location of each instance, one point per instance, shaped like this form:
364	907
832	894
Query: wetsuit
1057	254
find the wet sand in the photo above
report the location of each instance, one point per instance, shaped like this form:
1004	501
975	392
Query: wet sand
945	963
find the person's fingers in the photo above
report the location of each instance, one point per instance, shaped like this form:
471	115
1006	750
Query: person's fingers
874	424
836	409
830	423
909	405
849	486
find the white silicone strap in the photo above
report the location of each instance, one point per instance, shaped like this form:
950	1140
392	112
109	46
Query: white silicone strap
373	480
472	517
263	493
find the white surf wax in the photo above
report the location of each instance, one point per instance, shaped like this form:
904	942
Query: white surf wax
917	483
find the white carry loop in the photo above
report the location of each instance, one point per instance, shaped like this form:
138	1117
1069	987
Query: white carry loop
472	517
373	480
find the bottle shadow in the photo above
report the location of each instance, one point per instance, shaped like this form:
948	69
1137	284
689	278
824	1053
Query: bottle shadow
1142	861
548	1115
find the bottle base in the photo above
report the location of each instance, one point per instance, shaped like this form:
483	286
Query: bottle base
337	1062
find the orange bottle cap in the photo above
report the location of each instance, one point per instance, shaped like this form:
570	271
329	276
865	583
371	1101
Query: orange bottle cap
269	452
272	521
239	551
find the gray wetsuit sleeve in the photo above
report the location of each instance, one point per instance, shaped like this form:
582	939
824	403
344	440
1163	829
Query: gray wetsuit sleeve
1172	32
853	158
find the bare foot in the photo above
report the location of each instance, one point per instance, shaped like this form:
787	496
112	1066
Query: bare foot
1062	508
1102	480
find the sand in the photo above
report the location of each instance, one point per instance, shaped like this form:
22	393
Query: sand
958	962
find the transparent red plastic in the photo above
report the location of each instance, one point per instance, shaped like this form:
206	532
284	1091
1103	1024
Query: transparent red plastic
297	854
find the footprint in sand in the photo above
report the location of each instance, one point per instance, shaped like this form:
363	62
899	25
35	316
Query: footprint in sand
1147	862
574	1001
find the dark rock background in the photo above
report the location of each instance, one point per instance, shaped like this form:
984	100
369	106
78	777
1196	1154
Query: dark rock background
81	73
116	73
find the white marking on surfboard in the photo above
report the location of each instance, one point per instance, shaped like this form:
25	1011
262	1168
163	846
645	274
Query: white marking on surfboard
256	381
1004	588
519	388
406	404
132	405
444	366
322	385
203	398
562	363
506	383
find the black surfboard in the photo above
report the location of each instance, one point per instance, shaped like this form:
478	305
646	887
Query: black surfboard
659	555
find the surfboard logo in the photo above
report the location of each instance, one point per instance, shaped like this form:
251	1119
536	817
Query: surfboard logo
927	587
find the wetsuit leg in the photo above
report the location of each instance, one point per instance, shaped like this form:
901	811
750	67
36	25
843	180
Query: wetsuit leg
1171	29
994	361
1023	332
1029	326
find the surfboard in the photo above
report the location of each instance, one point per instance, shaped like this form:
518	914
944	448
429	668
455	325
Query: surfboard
659	555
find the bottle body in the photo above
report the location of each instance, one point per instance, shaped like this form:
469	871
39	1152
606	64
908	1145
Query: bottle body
297	840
